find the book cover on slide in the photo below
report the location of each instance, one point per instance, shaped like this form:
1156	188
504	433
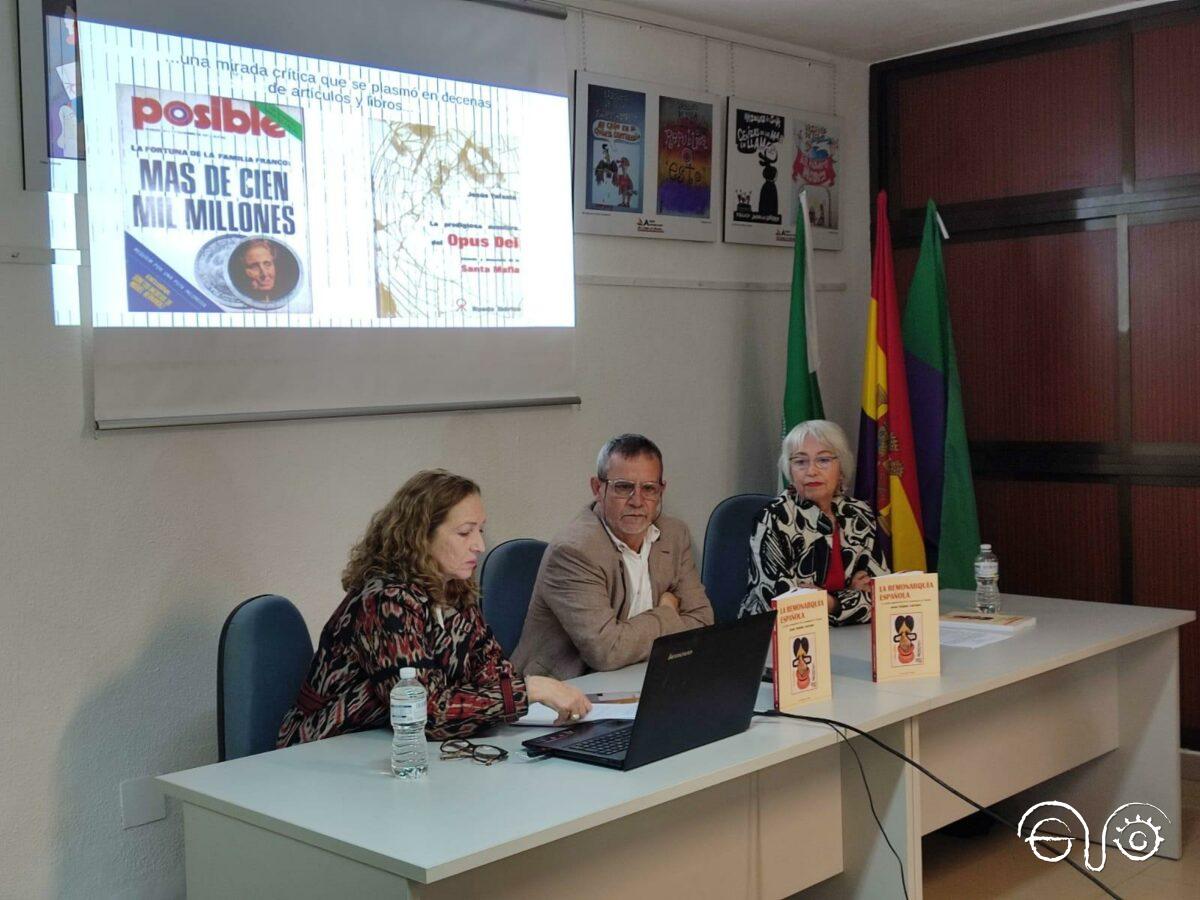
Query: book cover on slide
215	211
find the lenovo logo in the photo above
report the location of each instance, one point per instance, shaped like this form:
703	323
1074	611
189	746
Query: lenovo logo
219	114
679	655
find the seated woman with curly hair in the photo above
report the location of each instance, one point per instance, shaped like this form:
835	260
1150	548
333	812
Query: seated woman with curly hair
815	534
411	601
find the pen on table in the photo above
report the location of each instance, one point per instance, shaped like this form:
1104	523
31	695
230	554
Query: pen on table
614	697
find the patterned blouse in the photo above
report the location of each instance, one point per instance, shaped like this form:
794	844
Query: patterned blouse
792	542
376	632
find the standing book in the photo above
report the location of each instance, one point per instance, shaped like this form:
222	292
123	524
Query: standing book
800	649
904	626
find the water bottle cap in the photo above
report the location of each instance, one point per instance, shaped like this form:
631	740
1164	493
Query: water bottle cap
985	546
408	672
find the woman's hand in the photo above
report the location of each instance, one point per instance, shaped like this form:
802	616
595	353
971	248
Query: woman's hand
569	702
860	582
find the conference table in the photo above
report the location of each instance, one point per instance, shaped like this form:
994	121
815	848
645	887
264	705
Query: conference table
1082	708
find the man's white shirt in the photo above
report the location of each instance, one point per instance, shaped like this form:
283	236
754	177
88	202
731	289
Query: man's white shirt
637	570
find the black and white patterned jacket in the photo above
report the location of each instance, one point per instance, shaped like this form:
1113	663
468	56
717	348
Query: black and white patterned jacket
791	545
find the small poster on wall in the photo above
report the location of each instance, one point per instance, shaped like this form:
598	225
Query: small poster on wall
616	143
51	95
646	159
685	158
772	154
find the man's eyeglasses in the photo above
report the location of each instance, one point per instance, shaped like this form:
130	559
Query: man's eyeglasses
651	490
459	748
824	461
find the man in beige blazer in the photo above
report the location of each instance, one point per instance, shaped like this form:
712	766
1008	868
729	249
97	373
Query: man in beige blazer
615	578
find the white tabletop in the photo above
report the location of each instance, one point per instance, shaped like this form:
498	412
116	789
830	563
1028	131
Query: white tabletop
1067	631
339	793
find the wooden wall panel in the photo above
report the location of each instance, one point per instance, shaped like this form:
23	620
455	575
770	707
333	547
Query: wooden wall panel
996	129
1166	544
1035	323
1164	309
1054	539
1166	92
905	261
1044	122
1035	328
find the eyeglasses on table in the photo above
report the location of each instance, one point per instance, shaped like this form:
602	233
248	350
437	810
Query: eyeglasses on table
460	748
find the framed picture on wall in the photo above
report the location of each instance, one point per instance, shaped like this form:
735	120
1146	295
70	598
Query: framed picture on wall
647	159
772	153
51	95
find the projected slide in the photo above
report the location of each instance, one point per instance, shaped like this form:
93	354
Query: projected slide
234	187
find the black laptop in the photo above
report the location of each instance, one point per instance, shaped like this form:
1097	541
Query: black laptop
700	686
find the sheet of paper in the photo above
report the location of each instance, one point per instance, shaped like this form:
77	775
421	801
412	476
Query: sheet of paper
971	638
542	715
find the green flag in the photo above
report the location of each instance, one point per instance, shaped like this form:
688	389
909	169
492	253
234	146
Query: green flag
802	394
939	430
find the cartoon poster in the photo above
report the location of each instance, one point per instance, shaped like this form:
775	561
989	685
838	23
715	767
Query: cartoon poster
754	160
774	153
815	166
685	148
616	145
51	95
64	100
647	163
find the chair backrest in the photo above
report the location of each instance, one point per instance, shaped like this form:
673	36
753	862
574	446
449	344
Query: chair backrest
726	563
262	658
506	581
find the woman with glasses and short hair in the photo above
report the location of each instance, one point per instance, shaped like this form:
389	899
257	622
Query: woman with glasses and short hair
814	534
412	601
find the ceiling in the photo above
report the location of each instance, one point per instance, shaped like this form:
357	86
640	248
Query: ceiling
874	30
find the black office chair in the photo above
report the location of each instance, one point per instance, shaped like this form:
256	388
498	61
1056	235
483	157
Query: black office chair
263	656
506	581
726	562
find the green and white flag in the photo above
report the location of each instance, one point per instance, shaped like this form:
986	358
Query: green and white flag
802	394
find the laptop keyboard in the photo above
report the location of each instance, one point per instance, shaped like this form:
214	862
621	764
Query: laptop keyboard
615	743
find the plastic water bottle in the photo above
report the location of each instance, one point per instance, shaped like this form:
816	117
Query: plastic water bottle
987	581
409	752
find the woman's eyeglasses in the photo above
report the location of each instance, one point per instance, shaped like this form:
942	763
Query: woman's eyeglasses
459	748
824	461
896	638
807	661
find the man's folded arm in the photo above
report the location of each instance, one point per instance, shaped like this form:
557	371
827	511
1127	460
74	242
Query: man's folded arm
695	609
576	593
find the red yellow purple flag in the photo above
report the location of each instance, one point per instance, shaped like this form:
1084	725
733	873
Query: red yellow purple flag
887	465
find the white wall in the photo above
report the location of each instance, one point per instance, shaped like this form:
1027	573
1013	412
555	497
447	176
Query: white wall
122	554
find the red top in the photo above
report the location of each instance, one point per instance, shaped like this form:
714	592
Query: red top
835	574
